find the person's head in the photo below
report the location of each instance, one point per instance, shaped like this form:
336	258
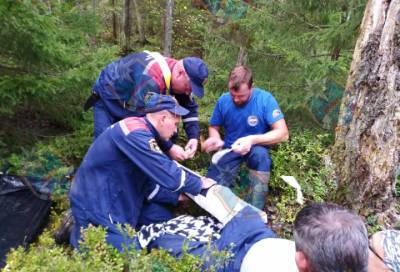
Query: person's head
240	84
329	238
188	76
164	113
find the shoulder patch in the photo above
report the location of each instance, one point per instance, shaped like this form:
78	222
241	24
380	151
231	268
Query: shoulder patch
154	146
276	113
133	123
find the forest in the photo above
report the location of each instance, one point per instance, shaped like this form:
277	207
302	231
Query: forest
317	57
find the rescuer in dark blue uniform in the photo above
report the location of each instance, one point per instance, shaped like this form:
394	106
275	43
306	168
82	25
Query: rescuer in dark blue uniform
112	182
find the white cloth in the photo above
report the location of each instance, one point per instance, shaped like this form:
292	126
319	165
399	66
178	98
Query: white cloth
223	204
272	254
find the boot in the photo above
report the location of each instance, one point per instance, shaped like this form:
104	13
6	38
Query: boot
61	235
258	188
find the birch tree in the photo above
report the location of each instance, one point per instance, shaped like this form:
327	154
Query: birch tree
168	28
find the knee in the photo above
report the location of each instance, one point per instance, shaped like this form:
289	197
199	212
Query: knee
223	175
259	159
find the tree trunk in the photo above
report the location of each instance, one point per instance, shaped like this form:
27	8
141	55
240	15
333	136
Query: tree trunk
142	37
367	149
127	24
241	60
114	21
168	28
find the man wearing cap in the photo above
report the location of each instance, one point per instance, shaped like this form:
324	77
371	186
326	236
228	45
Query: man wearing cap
111	184
252	120
120	89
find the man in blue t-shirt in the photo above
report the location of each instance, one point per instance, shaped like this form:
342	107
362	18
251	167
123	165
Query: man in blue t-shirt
252	120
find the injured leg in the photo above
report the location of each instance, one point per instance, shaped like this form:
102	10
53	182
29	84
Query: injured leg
223	204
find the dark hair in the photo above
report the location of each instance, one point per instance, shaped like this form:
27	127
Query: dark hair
332	238
240	75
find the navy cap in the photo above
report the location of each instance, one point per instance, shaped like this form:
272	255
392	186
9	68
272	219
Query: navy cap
155	102
198	72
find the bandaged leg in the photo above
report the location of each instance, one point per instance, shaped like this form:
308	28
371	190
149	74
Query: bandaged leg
223	204
259	188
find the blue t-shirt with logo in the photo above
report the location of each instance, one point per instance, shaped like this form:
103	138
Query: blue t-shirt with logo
255	117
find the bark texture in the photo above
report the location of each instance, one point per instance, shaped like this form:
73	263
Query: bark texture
127	23
168	28
241	59
139	21
114	21
367	147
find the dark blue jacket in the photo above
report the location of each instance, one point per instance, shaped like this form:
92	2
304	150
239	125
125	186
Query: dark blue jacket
112	182
130	78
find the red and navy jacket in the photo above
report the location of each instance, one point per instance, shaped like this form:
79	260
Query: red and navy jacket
130	78
113	180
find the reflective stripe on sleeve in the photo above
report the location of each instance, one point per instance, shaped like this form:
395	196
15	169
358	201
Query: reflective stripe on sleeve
183	178
153	194
190	119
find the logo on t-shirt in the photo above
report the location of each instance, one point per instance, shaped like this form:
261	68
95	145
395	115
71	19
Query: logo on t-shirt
252	120
276	113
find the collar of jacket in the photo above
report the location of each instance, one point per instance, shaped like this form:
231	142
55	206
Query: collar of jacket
152	129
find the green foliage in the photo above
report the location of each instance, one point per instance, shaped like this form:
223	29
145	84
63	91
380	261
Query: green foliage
372	223
48	60
52	51
52	160
96	255
47	256
73	147
189	26
189	30
301	157
293	47
41	161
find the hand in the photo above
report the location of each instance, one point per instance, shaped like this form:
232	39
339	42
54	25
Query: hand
177	153
191	148
242	145
207	182
212	144
183	197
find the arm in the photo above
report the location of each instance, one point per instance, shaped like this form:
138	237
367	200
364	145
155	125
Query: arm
156	193
143	151
190	123
214	141
278	133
